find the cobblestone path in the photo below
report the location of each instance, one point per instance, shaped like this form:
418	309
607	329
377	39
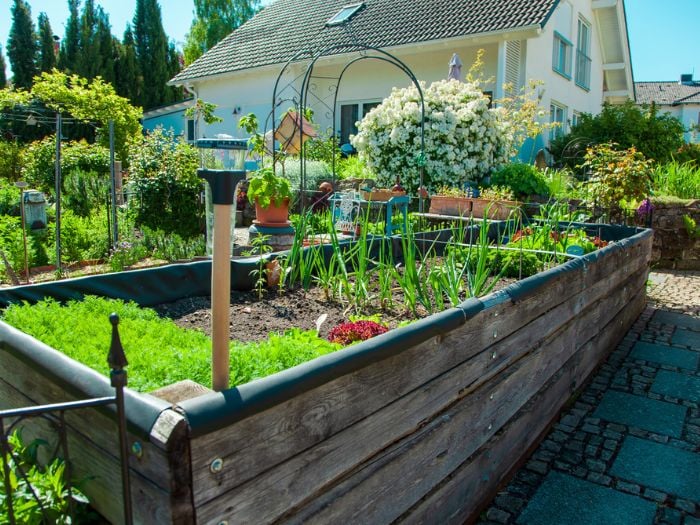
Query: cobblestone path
627	450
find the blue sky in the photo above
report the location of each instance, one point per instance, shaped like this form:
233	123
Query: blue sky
663	35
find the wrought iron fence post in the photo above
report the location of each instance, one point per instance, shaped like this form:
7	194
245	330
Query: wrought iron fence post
118	378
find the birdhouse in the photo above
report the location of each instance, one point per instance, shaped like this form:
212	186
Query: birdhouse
288	132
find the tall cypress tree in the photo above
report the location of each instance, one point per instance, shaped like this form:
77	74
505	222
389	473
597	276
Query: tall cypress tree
107	45
47	55
128	81
151	53
68	56
173	93
88	57
21	49
3	76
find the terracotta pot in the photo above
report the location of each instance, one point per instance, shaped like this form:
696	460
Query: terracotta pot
272	215
497	210
446	205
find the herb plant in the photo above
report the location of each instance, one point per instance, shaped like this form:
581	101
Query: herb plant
159	352
39	492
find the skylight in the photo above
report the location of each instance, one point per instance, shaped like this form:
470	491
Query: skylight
344	14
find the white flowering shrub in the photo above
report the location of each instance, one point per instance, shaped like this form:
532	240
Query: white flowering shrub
465	141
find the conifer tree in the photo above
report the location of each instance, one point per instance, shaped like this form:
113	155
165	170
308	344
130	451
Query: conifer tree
3	76
46	60
127	79
88	58
68	56
21	48
108	47
151	46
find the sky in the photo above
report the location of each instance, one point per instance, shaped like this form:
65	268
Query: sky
663	35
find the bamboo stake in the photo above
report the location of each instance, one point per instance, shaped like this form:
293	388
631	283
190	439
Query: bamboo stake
221	296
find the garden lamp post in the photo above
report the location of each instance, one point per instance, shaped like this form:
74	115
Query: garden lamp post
222	185
21	185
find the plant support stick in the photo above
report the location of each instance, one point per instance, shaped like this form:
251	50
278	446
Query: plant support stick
220	296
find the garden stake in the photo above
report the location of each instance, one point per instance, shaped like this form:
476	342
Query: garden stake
223	188
220	296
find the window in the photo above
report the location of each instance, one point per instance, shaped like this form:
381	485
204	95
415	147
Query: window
575	118
190	130
561	55
583	59
349	115
344	14
557	114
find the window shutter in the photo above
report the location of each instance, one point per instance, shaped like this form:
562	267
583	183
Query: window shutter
513	54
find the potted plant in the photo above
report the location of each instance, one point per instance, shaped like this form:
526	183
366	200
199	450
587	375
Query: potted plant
451	201
496	202
271	195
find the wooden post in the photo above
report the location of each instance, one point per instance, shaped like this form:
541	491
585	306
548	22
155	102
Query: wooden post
221	296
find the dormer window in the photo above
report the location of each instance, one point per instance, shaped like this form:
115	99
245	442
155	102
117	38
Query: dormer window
345	14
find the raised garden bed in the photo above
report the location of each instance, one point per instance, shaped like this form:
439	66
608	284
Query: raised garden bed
417	425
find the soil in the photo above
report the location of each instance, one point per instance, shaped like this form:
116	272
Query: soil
252	319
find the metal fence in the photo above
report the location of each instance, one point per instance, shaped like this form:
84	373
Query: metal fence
11	419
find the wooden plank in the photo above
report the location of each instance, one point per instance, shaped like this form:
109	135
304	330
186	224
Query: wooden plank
284	487
170	434
407	470
94	425
473	485
100	466
297	424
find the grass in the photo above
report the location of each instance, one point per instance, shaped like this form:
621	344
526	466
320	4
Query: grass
159	352
677	180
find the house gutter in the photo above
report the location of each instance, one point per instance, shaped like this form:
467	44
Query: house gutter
517	34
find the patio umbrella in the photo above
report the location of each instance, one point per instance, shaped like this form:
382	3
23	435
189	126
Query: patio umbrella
455	71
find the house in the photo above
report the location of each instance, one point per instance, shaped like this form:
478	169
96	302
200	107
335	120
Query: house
680	98
578	48
171	117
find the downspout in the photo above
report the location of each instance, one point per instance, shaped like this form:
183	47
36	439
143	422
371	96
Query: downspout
192	92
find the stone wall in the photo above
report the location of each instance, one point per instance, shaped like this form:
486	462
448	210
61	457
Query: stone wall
673	248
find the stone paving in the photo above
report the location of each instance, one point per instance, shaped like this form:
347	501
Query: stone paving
627	450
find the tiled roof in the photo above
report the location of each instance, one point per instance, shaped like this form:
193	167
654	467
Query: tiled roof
286	27
667	93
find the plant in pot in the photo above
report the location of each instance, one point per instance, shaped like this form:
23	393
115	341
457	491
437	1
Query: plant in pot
451	201
270	194
496	202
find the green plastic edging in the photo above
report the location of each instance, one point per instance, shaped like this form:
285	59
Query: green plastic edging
77	379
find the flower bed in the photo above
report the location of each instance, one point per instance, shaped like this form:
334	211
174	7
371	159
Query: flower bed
421	423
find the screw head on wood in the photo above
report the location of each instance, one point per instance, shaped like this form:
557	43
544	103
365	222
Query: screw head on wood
217	465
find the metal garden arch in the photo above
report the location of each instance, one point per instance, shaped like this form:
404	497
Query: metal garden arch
304	92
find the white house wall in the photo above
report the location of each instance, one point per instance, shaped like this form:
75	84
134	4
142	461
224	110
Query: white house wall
365	81
689	115
557	88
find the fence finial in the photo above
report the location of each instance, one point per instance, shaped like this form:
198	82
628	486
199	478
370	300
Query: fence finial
116	357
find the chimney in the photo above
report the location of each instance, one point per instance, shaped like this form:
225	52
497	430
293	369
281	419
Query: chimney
687	79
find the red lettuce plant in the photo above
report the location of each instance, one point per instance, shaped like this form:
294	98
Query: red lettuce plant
346	333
